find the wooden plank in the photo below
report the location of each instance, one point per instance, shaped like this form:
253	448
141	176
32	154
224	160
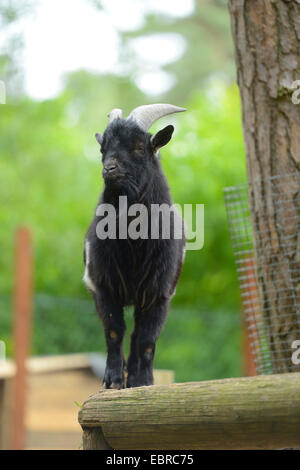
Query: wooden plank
7	372
94	439
7	369
6	409
163	376
55	363
2	423
261	412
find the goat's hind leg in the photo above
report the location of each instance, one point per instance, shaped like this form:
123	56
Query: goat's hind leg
111	314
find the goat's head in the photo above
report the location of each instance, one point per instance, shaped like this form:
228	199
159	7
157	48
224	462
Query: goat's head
128	150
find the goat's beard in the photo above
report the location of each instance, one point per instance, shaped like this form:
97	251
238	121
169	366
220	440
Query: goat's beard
129	186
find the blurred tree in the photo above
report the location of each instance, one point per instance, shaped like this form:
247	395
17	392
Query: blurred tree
208	51
11	11
91	97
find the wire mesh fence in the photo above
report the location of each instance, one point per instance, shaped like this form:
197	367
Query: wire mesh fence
264	224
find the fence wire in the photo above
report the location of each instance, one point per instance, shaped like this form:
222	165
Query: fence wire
266	244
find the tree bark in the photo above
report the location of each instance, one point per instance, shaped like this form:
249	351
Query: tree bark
266	35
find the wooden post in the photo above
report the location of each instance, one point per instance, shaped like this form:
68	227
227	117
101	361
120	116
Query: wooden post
7	373
249	364
261	412
22	327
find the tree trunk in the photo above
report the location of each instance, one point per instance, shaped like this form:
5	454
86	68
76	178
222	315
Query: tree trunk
266	34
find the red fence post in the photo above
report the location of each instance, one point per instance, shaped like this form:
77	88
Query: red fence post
22	328
249	364
251	291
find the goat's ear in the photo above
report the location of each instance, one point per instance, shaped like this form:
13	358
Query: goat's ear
162	138
99	138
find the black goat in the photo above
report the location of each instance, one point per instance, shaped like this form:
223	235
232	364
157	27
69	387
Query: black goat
123	271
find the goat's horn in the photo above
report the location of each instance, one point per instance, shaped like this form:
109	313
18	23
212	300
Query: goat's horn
146	115
114	114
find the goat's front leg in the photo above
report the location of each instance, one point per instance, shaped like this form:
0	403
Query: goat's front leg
111	314
148	326
133	359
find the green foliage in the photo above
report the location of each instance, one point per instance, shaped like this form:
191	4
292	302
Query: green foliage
12	11
205	155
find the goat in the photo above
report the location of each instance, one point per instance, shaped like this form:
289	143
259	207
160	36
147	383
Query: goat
142	272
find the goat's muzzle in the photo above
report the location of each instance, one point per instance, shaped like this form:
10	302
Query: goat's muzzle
111	170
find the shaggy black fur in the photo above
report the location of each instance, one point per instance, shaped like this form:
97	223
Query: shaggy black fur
142	272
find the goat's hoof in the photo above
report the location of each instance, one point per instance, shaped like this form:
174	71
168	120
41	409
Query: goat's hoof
113	386
131	381
113	380
138	382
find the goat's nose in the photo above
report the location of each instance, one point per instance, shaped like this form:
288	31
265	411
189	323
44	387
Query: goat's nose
110	167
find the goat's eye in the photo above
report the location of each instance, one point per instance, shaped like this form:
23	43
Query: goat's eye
139	148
